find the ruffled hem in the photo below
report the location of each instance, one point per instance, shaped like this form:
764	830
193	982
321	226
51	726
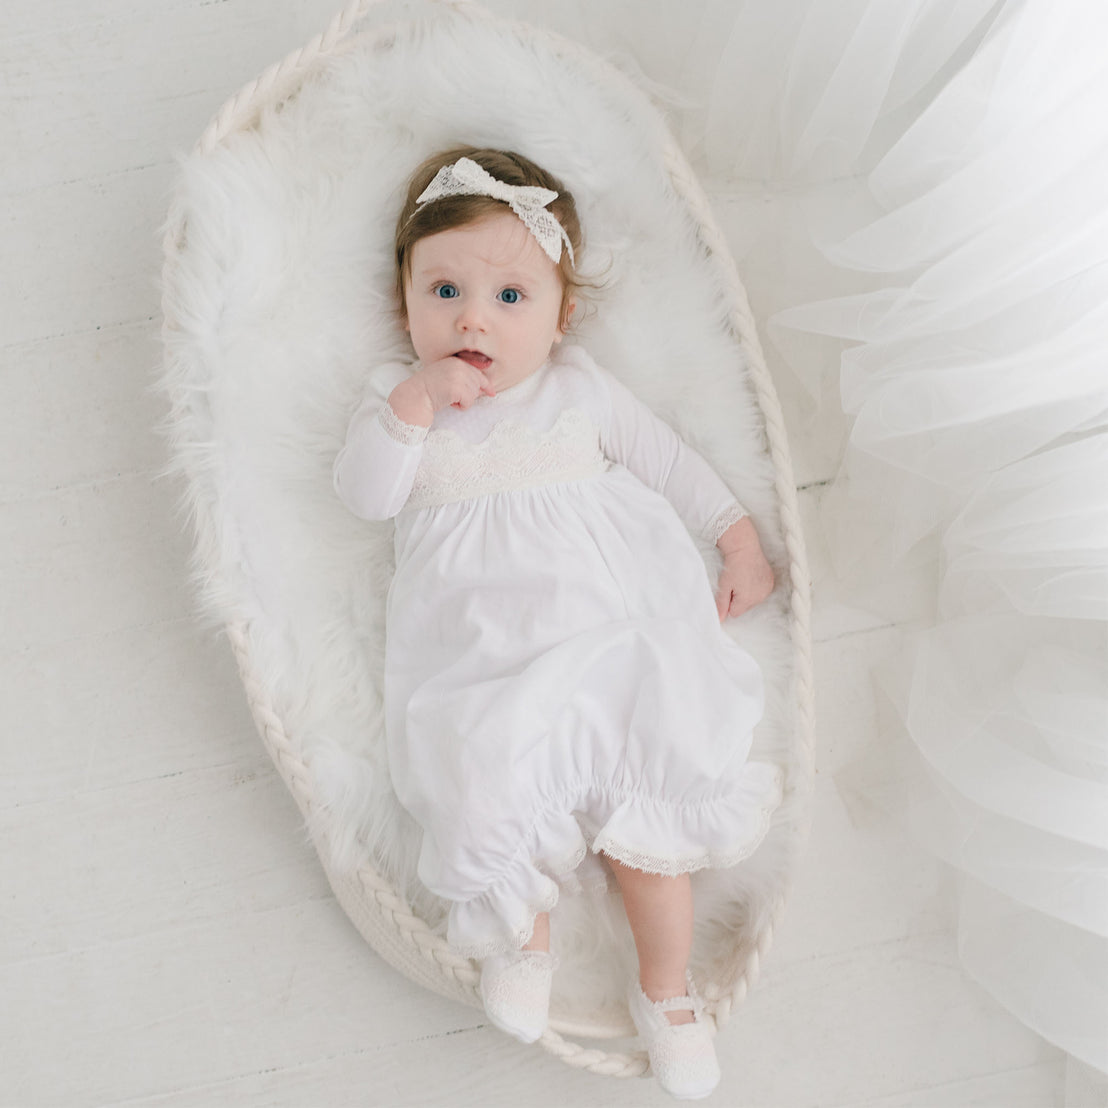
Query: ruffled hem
640	831
632	837
501	919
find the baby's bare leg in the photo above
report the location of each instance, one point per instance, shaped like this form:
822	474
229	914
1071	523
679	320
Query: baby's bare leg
660	911
540	936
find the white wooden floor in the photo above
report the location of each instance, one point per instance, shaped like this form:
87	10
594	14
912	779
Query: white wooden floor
168	938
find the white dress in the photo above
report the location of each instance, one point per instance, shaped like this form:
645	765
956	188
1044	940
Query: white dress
556	677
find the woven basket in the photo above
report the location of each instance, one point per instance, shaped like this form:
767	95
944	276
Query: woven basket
383	917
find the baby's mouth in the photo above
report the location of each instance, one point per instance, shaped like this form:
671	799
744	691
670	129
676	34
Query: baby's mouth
475	358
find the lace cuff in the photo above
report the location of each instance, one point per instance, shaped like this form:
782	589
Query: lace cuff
410	434
727	518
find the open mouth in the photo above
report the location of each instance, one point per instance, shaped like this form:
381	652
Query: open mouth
475	358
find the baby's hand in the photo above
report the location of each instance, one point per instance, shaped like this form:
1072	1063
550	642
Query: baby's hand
453	381
747	577
449	381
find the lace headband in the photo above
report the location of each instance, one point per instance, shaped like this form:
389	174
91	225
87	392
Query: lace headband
466	178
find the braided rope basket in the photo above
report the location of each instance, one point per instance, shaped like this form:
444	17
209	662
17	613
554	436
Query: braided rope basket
384	917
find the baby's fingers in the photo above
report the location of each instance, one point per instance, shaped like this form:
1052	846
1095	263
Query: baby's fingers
733	594
469	385
723	601
476	384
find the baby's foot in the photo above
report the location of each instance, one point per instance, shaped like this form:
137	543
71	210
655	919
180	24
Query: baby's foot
515	989
681	1053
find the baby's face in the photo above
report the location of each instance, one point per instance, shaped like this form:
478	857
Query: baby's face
487	293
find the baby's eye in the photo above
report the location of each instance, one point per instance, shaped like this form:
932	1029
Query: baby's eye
509	296
446	291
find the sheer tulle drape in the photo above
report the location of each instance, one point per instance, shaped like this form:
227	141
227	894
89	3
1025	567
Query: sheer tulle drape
779	91
978	390
952	160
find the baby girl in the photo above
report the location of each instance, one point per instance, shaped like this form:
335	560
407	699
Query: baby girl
560	697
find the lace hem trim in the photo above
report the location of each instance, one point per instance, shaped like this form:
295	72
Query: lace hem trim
727	518
518	938
675	865
409	434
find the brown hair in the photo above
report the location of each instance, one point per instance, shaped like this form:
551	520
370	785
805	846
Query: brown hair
449	212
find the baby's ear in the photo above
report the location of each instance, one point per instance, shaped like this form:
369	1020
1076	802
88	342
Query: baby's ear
567	318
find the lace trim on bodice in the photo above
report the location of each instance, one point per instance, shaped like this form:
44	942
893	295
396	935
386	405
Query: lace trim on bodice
513	456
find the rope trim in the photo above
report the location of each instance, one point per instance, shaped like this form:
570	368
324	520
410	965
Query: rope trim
384	918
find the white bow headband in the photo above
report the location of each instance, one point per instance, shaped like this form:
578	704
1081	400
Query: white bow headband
466	178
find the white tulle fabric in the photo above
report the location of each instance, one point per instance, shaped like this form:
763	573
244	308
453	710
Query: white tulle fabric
556	676
978	392
952	156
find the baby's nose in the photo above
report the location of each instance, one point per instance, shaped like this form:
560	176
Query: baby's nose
472	318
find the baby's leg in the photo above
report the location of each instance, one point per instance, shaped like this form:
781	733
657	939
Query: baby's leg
540	935
660	911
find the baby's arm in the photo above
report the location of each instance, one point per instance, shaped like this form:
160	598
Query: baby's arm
657	455
376	468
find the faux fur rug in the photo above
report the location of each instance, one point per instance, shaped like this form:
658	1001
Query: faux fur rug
283	293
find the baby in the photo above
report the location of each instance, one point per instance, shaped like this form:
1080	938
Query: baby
558	688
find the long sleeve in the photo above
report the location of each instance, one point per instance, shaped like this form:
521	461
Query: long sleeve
636	438
376	467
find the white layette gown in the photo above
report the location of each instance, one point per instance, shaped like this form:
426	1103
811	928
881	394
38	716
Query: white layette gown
556	677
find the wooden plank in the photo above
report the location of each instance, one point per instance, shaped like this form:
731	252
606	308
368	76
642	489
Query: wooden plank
79	409
144	859
124	85
89	253
858	884
1034	1086
105	100
883	1025
104	710
474	1067
202	1002
875	1021
91	560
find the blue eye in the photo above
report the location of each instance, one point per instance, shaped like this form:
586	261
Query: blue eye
446	291
509	296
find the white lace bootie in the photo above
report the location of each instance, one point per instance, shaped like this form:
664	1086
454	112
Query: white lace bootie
681	1054
515	989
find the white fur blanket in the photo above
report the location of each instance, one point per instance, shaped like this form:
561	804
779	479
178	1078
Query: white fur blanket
278	300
